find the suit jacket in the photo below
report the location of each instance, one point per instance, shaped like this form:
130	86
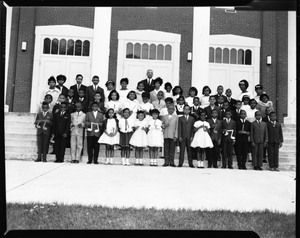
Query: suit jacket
64	89
185	127
215	136
197	111
208	111
235	115
90	93
90	118
84	104
56	107
230	126
222	114
231	103
100	105
61	124
265	119
171	131
40	116
75	120
259	132
74	87
71	104
148	88
239	127
275	134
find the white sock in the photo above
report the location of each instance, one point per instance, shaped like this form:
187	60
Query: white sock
137	161
123	161
199	163
151	160
141	161
155	161
111	160
107	161
127	161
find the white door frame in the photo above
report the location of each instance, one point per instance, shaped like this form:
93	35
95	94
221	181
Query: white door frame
149	36
240	42
55	30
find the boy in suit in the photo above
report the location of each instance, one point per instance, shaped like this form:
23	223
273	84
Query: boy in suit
243	128
266	119
91	90
220	91
275	141
100	103
76	87
77	128
228	139
83	100
215	132
212	105
93	135
223	110
229	99
61	79
259	139
196	109
71	101
43	124
170	126
61	131
185	135
236	111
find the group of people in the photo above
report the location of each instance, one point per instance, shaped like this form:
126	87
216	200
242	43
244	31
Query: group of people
157	115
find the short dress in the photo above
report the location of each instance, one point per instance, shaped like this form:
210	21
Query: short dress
125	131
139	137
202	138
204	101
155	134
116	105
146	107
111	127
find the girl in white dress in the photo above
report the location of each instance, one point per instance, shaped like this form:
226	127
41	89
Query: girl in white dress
201	138
146	106
193	92
157	84
110	85
131	103
204	100
114	102
139	137
139	91
155	136
123	91
251	111
245	102
177	91
168	90
110	136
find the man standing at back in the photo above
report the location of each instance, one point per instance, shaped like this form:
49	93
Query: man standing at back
91	90
78	86
149	81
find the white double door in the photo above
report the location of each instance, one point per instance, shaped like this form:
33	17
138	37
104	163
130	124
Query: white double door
229	76
135	71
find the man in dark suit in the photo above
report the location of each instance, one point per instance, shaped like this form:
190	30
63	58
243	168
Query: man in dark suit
212	105
91	90
149	81
228	139
61	131
243	128
76	87
61	79
275	141
43	124
215	132
231	101
185	135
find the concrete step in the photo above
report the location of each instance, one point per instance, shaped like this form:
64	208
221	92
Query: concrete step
29	124
287	154
20	137
20	117
31	130
287	147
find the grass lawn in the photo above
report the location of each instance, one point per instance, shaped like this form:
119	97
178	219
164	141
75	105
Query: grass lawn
58	216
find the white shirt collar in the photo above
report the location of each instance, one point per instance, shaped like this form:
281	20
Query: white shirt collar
214	119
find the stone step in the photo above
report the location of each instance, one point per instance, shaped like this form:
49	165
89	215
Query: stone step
146	161
20	137
287	147
29	124
21	130
287	154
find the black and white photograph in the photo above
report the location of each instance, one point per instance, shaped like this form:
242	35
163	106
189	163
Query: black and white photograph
150	118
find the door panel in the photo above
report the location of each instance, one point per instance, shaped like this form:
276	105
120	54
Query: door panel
135	71
162	70
218	76
77	66
236	75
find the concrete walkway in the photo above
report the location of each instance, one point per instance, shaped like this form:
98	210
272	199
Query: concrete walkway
158	187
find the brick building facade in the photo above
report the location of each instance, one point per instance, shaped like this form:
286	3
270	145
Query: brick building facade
270	27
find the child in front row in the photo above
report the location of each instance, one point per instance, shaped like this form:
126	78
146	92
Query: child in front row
110	136
154	136
43	124
201	138
274	142
77	128
126	131
139	137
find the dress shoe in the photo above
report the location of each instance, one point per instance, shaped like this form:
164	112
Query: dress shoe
259	168
250	160
191	166
180	165
255	168
239	167
276	169
136	164
76	161
161	157
230	167
44	160
165	165
173	165
56	161
216	166
155	164
72	161
244	168
38	160
141	164
209	166
89	162
223	167
151	163
265	161
271	169
96	162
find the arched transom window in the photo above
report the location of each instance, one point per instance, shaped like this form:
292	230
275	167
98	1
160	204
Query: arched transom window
230	56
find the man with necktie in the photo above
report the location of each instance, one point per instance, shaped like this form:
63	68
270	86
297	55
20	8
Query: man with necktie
94	88
149	81
78	86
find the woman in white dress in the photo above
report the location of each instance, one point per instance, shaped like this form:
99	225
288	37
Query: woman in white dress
155	136
110	136
243	84
123	91
204	100
139	137
201	139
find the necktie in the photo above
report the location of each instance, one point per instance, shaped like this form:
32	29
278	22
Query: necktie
186	117
78	114
78	87
227	120
126	125
94	88
44	114
61	114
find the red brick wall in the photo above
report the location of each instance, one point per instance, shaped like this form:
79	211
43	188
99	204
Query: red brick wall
168	19
23	29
